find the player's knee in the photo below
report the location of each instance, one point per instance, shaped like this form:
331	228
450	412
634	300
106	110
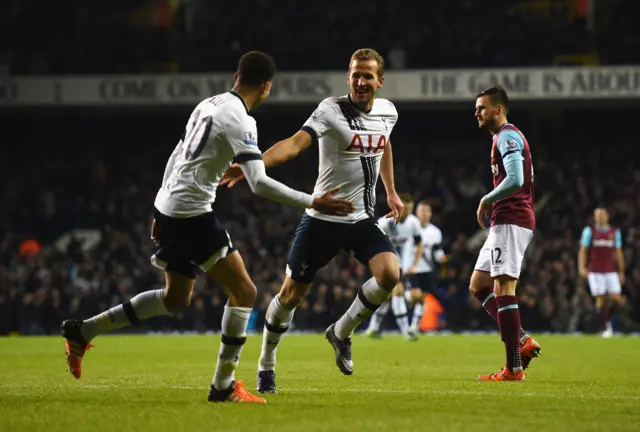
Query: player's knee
388	278
176	300
505	286
616	299
292	293
244	294
398	291
417	295
479	280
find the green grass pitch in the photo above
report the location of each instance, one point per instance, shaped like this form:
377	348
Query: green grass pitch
160	383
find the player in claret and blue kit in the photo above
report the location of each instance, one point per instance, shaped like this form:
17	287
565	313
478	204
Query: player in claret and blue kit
510	205
600	254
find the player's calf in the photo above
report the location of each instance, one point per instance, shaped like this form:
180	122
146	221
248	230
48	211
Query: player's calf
369	298
417	296
231	274
292	293
277	322
400	312
79	334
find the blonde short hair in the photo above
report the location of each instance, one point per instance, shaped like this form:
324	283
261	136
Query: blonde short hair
366	54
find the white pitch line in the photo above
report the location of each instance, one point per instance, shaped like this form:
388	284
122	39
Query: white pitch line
360	391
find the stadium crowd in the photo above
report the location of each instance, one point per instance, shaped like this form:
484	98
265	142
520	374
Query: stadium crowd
74	225
133	36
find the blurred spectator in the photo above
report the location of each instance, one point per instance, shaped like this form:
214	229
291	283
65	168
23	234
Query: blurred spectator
87	203
133	36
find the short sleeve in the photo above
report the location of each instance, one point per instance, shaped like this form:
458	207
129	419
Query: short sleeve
321	120
438	236
585	238
618	239
510	142
417	229
392	118
242	135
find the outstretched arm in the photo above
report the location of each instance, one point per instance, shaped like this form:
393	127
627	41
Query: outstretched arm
287	149
263	185
278	153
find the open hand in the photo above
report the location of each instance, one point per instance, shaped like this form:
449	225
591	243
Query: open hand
330	205
484	210
232	175
396	205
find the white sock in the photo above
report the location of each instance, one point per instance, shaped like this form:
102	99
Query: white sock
143	306
418	311
369	298
276	324
378	317
399	308
234	335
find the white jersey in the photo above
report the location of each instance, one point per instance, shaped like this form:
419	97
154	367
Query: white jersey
431	237
404	236
351	144
220	130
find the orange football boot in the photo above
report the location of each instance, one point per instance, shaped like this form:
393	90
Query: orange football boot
529	350
75	346
503	374
236	393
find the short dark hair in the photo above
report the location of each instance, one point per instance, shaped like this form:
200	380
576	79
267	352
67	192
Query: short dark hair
497	95
406	197
256	68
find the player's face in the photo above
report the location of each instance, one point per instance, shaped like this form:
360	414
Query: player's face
424	213
600	216
407	210
486	112
364	82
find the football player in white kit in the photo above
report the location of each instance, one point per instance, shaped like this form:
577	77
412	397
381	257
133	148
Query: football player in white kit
189	236
424	281
352	133
407	239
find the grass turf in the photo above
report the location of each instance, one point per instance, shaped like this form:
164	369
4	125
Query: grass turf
160	383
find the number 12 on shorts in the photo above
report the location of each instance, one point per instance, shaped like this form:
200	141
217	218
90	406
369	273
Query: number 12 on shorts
496	254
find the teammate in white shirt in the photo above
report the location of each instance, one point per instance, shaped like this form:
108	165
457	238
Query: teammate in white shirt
352	133
423	280
406	238
187	233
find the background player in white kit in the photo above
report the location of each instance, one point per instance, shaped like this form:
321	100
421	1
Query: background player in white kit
406	238
352	133
423	280
188	234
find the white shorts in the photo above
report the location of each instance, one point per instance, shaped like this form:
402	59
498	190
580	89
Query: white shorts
503	251
604	283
